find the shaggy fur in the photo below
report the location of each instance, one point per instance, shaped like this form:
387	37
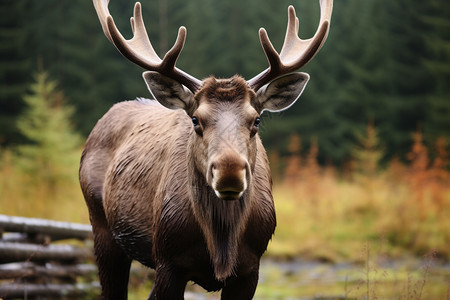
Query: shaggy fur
145	174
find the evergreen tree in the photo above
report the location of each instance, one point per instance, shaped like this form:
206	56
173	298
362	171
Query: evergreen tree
408	81
437	62
368	152
201	55
14	68
52	156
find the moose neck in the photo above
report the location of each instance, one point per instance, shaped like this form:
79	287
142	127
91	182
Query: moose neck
221	221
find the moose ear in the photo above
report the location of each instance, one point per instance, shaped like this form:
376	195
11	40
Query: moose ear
281	93
169	92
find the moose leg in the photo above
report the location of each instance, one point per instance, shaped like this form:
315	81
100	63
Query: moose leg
113	264
168	285
242	287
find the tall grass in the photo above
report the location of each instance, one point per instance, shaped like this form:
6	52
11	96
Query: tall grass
28	195
327	215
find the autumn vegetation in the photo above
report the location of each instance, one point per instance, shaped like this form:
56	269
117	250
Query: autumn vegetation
327	213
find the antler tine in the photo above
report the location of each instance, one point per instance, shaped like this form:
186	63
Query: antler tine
101	7
172	55
295	52
139	49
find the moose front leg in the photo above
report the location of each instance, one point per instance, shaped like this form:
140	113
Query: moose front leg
168	284
242	287
113	264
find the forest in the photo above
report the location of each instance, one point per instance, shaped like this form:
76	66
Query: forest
385	63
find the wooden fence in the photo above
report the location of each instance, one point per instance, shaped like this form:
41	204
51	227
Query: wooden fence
43	259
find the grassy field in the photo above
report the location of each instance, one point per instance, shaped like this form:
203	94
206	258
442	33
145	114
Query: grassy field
328	215
331	219
400	211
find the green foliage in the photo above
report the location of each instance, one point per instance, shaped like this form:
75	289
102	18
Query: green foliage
437	62
14	68
53	148
40	178
368	152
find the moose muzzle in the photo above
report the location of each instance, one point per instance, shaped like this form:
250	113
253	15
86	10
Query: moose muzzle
229	174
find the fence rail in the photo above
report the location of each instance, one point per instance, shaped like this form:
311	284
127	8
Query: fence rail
32	266
53	229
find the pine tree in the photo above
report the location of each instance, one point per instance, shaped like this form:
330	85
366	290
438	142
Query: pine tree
408	81
202	53
419	172
437	62
51	157
368	152
14	68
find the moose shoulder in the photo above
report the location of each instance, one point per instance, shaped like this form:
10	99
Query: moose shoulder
182	183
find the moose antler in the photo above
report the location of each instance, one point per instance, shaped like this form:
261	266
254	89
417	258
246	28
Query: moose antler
295	52
139	48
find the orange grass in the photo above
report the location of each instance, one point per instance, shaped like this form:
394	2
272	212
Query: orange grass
324	215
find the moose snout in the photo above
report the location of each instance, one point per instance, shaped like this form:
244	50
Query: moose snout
229	176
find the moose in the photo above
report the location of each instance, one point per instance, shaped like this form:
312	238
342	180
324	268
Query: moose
182	183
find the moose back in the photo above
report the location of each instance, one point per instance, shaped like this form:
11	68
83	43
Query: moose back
182	183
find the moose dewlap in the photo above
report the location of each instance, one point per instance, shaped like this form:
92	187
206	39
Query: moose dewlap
182	183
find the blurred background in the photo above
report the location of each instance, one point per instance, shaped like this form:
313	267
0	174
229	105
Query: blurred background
359	163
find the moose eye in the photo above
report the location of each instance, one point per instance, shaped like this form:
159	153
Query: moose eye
198	129
257	122
255	127
195	121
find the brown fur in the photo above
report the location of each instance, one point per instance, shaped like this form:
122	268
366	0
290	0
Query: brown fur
232	89
146	176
